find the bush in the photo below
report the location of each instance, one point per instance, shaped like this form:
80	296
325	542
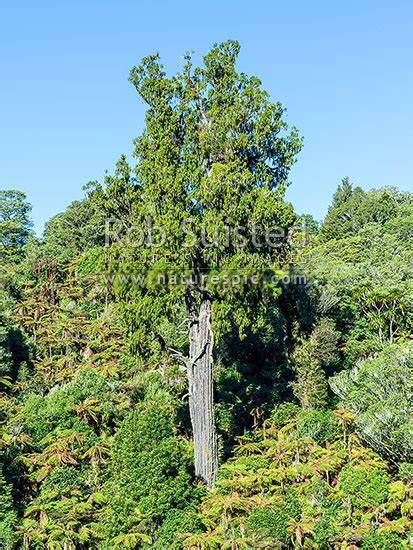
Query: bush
270	523
266	524
325	528
8	517
284	412
91	261
379	394
406	471
151	470
176	522
384	541
42	414
365	485
321	426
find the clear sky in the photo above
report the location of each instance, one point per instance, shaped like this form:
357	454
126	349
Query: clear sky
342	68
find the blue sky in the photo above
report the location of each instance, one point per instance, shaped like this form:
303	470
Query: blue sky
343	69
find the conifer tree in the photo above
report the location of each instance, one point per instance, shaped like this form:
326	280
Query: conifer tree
212	167
15	224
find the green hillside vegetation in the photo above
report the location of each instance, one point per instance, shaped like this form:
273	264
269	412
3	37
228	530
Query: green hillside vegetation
197	415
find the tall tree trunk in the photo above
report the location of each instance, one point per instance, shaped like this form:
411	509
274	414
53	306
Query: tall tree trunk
200	378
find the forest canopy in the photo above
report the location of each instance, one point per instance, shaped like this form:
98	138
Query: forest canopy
188	362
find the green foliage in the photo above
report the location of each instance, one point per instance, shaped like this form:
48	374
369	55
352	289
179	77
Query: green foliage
150	471
215	155
8	518
352	208
6	357
362	276
382	541
309	224
406	470
15	225
251	376
281	488
96	440
363	486
91	261
269	523
310	386
379	393
311	358
321	426
212	168
88	402
177	522
80	227
283	413
326	528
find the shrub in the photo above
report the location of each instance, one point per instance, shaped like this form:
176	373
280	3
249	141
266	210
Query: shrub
270	523
379	393
365	485
384	541
42	414
321	426
284	412
325	528
151	470
176	522
8	517
406	471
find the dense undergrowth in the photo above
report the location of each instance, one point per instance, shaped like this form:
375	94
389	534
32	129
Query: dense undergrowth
312	379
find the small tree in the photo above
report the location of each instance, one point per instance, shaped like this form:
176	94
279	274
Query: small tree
15	225
310	386
212	168
378	392
311	359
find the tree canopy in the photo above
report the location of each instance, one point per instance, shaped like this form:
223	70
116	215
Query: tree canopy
187	362
15	224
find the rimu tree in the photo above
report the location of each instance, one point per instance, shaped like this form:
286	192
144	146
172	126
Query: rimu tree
212	167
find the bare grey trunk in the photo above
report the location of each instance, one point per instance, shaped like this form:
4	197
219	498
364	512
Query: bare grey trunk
200	378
